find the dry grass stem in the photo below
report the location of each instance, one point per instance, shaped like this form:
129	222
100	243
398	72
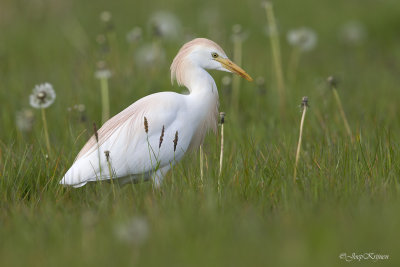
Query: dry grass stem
304	105
333	83
96	135
221	155
107	153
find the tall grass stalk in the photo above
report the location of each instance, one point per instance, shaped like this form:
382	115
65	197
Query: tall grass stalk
105	100
333	84
46	132
276	53
110	172
237	58
304	106
201	165
96	135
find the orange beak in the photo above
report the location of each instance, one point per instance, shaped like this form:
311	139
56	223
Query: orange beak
229	65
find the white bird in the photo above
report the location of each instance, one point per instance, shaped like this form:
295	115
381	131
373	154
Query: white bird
146	139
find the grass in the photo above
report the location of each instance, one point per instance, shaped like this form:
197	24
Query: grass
346	198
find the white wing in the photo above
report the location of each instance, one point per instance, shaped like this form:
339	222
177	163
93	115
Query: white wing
132	151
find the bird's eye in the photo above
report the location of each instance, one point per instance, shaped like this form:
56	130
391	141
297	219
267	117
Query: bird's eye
214	55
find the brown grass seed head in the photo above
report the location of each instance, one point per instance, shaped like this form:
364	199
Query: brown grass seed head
161	136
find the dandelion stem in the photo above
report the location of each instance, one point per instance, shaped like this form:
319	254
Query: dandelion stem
105	100
339	103
304	105
46	132
221	155
276	53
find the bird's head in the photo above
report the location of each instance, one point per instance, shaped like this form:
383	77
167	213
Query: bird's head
205	54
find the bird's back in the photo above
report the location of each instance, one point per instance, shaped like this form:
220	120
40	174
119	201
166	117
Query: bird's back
131	150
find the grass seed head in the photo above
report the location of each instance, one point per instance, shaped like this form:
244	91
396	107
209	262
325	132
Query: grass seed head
146	125
107	153
96	135
175	140
161	136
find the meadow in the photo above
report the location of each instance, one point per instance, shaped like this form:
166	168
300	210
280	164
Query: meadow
346	195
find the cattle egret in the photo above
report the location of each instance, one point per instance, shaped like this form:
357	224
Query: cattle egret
146	139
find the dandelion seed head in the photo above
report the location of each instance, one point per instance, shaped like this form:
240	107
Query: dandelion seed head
135	231
236	29
260	81
165	25
80	107
105	16
353	33
24	120
226	80
222	117
304	102
149	55
332	81
238	34
134	35
266	4
303	38
103	74
43	95
102	71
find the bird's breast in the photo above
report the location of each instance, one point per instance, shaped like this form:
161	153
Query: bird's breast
205	118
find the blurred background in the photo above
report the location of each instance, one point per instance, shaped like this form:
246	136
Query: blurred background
61	42
348	200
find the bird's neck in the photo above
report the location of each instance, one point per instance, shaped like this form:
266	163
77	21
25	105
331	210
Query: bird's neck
199	81
203	101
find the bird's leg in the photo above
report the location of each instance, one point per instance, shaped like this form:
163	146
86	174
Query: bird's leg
158	176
